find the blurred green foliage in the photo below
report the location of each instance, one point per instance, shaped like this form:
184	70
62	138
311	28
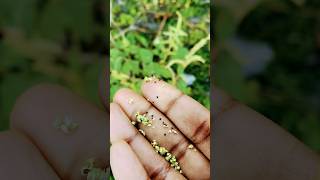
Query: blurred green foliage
55	41
287	90
168	39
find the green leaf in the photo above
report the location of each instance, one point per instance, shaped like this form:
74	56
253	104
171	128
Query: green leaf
130	67
116	59
157	70
142	40
145	55
180	53
181	84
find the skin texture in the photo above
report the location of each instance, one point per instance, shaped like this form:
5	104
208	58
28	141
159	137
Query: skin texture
121	155
246	144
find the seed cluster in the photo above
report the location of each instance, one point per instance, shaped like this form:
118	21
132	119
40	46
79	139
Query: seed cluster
92	172
152	78
143	119
66	125
167	155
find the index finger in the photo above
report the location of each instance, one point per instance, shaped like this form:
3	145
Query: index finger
191	118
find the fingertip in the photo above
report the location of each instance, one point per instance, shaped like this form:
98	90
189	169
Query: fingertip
121	94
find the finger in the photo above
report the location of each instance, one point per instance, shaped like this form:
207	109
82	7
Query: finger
247	143
163	131
191	118
20	159
125	164
121	129
221	103
39	109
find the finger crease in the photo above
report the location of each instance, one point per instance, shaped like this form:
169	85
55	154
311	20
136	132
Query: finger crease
230	105
201	133
179	149
172	103
161	172
131	138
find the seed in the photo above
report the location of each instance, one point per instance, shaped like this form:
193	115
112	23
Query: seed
66	125
160	119
157	148
157	97
163	150
154	143
164	124
165	134
143	119
142	132
150	79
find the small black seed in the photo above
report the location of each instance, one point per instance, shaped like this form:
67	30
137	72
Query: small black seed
164	134
157	97
160	119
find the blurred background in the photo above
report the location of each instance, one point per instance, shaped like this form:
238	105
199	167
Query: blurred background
57	41
168	39
268	56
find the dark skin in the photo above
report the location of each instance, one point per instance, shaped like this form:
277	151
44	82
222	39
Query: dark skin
33	149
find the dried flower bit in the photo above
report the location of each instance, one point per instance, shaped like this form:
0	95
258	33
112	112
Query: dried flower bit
143	119
154	143
131	101
133	123
163	151
151	79
174	131
190	146
66	125
92	172
142	132
165	125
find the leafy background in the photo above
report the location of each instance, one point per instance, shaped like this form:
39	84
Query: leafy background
168	39
55	41
268	57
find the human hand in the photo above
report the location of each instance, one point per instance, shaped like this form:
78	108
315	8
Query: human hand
35	149
178	123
